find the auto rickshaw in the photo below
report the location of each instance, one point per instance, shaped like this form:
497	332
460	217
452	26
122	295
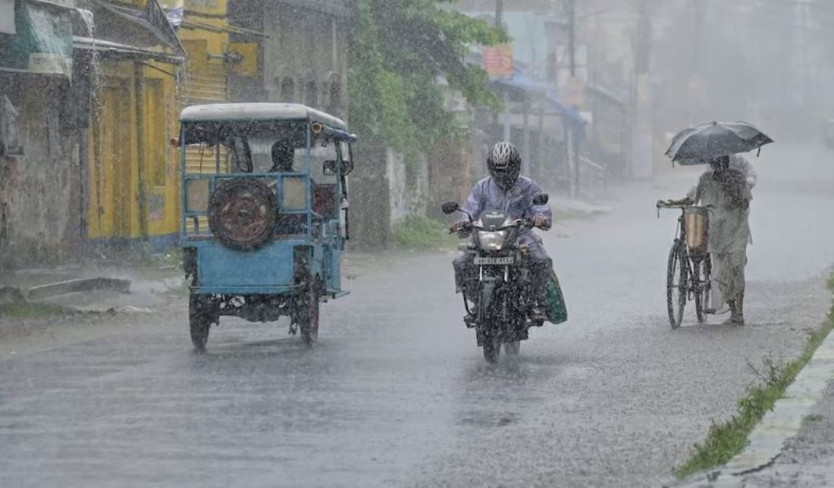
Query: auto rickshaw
265	215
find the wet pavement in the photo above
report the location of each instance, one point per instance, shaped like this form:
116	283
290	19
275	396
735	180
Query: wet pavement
396	393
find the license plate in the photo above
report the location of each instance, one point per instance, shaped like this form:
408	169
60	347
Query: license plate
494	261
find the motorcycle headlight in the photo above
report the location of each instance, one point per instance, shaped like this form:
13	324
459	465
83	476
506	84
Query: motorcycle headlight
492	241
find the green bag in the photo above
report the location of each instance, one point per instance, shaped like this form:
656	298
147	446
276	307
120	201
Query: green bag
557	311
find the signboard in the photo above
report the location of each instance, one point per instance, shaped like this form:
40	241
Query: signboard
7	17
574	92
498	60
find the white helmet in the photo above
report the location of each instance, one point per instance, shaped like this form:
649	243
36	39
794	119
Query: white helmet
504	164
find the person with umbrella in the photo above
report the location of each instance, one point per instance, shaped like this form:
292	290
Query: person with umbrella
726	191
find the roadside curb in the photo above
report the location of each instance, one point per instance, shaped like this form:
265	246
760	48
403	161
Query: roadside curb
78	285
36	293
779	425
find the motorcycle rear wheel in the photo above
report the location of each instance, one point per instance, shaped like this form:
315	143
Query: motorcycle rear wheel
307	313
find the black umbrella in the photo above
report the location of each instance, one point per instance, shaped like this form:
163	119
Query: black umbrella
699	144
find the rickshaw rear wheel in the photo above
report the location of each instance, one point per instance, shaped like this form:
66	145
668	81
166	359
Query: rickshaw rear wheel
200	319
307	313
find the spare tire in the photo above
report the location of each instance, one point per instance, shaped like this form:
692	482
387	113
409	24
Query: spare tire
241	214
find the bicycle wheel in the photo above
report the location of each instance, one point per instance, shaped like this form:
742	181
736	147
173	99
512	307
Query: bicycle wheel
700	283
677	284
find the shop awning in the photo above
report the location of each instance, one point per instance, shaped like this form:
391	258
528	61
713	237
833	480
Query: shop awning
123	50
121	30
522	82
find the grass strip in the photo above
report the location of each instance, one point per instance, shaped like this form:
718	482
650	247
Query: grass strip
727	439
30	310
418	233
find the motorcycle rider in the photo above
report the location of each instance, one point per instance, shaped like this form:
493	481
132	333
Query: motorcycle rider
505	190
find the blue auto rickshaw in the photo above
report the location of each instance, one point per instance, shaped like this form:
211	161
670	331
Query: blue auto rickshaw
265	216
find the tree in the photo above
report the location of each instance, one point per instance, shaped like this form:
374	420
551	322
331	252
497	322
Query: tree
401	52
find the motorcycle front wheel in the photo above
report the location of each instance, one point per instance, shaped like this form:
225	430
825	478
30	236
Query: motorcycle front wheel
512	348
492	349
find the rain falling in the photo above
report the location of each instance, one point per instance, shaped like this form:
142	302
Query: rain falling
475	243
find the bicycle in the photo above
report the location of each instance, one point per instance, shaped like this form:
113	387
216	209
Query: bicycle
689	268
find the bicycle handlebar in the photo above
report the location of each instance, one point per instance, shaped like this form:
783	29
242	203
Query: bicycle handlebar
682	206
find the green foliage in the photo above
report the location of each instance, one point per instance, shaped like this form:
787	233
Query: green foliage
400	52
417	233
729	438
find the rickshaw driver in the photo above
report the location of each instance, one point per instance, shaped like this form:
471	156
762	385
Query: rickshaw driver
506	190
283	156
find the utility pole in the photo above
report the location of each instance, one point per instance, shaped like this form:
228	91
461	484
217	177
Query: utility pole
572	149
572	37
499	14
641	163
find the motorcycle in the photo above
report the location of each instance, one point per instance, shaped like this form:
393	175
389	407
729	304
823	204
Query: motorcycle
502	290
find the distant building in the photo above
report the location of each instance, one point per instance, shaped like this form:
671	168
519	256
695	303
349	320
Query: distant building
302	54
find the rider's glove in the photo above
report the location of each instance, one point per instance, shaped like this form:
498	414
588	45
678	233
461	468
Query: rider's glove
541	221
458	226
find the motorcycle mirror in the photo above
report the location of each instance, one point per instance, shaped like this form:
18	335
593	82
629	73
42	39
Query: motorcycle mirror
541	199
450	207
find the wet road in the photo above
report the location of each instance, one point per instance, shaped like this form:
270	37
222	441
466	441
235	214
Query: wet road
396	394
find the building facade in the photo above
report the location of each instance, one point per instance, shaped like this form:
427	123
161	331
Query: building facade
89	102
302	54
132	60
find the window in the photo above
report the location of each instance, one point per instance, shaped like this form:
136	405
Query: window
11	144
287	90
311	96
335	96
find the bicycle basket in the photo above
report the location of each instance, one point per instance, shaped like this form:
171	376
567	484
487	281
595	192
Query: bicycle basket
696	222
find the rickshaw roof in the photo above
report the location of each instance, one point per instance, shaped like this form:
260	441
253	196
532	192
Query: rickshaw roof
219	112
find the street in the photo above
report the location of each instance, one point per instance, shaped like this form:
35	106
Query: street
395	393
